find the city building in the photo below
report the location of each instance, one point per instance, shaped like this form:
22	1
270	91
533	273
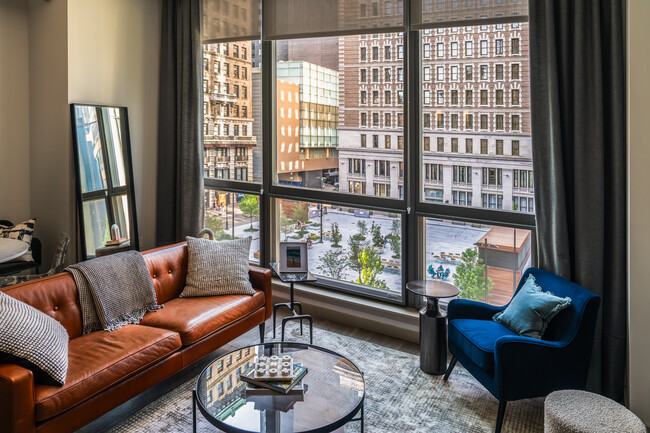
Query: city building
227	113
307	128
476	116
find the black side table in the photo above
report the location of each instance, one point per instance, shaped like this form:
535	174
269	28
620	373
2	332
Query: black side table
433	324
291	278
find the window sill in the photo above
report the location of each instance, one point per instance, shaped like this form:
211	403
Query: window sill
369	314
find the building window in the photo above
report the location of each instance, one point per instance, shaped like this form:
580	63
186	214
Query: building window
462	174
433	172
498	47
426	120
375	141
454	73
364	119
400	75
387	75
363	140
469	73
515	147
454	121
375	97
440	99
469	97
427	73
469	121
515	123
492	176
440	120
427	144
454	145
440	73
387	49
454	97
468	48
515	96
498	72
469	145
364	97
400	52
375	53
514	71
484	146
357	166
440	50
440	144
484	48
499	122
364	75
499	149
375	120
427	97
514	46
454	49
375	75
498	96
484	97
484	72
387	142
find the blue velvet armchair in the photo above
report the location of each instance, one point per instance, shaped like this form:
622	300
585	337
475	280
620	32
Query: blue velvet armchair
513	367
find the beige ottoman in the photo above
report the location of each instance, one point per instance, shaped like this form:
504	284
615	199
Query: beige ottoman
573	411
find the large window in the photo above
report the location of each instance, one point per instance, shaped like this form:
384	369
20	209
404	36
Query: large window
336	141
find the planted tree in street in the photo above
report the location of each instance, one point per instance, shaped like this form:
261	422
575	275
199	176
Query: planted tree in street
300	213
336	236
371	267
333	264
216	224
286	226
250	207
377	238
363	228
395	229
396	246
355	246
470	277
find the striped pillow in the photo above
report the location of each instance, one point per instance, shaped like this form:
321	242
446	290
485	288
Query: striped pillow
217	268
34	340
23	232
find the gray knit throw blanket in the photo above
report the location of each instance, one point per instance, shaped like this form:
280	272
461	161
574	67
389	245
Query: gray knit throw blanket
114	291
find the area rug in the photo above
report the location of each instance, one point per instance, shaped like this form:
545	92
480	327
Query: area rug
400	398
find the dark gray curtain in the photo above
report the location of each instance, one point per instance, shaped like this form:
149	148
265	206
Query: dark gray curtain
179	209
578	132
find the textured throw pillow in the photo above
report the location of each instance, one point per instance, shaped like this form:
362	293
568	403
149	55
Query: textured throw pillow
34	340
531	310
217	268
23	232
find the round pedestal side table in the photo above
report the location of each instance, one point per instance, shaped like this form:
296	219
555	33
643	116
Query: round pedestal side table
433	324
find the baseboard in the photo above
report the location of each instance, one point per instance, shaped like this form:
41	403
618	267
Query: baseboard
350	310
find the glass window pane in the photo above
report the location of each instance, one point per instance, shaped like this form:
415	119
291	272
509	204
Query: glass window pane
344	105
89	148
232	111
460	253
96	225
232	216
359	247
113	132
484	107
121	216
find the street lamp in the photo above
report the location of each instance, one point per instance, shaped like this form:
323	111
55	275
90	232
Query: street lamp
486	245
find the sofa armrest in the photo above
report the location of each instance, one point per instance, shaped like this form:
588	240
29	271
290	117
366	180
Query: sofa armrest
526	367
17	413
466	309
261	280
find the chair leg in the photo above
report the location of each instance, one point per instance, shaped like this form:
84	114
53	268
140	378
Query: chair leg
262	329
500	415
452	364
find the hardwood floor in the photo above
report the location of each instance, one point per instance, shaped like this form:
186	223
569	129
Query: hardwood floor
129	408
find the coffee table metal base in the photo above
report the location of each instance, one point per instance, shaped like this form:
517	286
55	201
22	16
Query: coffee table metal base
433	339
360	418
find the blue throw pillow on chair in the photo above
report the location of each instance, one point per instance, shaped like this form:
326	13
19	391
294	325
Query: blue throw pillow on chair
531	310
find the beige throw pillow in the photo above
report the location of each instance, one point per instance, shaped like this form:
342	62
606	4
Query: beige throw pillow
217	268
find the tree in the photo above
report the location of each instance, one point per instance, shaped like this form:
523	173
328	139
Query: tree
215	224
396	246
333	264
363	228
286	226
395	229
377	238
371	267
250	207
336	235
355	246
300	213
470	277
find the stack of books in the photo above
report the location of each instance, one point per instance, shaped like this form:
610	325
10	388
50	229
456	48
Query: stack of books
270	387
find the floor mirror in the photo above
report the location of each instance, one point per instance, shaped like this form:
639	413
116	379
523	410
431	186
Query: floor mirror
105	196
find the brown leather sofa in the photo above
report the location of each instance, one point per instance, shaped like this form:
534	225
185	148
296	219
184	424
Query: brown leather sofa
108	368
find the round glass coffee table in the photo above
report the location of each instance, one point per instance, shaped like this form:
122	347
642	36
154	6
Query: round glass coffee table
333	393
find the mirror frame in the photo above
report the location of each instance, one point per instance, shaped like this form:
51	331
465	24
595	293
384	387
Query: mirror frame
110	191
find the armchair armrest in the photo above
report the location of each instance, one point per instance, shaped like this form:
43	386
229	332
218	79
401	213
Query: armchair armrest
17	413
466	309
527	367
261	280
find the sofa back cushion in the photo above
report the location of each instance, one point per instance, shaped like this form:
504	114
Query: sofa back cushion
55	296
168	269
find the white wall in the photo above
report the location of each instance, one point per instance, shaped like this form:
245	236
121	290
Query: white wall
638	63
113	59
14	111
50	155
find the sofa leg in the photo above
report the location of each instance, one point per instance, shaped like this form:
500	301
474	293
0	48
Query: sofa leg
500	415
452	364
262	330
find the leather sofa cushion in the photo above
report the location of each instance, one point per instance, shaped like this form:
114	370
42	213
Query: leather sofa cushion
477	339
98	360
196	318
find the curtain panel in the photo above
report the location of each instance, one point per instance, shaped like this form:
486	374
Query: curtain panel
179	209
578	130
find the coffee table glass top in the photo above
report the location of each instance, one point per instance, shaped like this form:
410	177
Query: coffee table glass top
291	277
334	391
432	288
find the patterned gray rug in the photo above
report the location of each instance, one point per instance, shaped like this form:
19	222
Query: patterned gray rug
409	401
